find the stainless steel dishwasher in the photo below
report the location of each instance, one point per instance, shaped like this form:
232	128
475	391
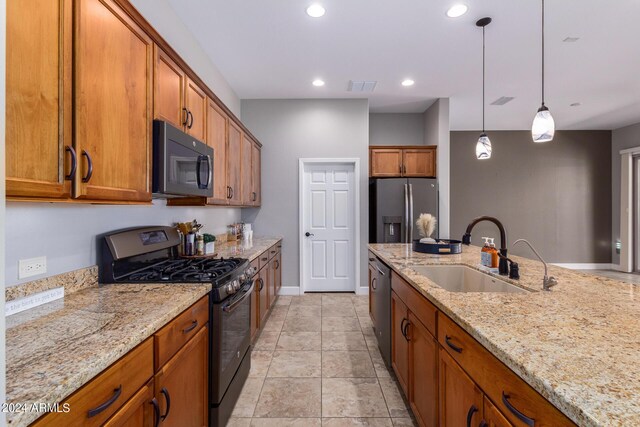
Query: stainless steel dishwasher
380	288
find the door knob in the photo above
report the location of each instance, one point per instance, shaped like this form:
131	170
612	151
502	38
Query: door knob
309	234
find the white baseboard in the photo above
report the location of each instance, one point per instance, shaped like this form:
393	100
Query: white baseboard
587	266
289	290
362	290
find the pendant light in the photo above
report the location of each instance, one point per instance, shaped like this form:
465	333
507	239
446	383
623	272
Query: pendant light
483	146
543	126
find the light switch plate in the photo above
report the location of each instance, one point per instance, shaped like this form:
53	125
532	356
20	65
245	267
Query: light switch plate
32	267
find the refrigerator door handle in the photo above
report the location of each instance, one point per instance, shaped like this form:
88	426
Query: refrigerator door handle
406	213
410	222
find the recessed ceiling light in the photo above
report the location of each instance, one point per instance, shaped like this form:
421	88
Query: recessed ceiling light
315	11
318	82
408	82
457	10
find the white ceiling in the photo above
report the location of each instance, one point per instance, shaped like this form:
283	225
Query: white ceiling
272	49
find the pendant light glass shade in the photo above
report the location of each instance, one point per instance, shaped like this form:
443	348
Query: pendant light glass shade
543	126
483	147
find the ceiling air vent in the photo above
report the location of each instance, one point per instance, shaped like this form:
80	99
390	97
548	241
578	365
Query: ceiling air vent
361	86
571	39
502	100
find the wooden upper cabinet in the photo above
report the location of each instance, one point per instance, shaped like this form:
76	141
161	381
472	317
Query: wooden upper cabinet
256	174
418	162
246	181
217	123
38	98
392	162
460	398
385	162
168	89
113	104
234	165
196	104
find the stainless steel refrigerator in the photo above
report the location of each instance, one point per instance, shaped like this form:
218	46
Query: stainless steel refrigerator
396	203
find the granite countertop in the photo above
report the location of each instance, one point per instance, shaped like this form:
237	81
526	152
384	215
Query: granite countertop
54	349
577	345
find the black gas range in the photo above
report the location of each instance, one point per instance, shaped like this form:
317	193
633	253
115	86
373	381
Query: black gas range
149	255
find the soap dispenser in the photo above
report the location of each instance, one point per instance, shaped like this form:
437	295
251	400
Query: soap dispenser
494	258
485	253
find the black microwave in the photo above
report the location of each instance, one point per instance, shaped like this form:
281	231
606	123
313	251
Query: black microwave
182	165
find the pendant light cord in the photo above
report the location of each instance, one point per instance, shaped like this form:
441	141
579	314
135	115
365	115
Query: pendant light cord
483	79
542	52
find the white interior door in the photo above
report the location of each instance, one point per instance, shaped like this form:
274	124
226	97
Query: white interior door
328	254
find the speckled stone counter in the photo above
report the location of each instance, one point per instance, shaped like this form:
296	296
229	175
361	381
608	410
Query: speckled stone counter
578	345
249	250
54	349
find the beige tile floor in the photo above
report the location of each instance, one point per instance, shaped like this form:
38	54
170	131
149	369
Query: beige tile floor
316	363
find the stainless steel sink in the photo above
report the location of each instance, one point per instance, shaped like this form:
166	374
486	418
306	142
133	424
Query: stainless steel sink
459	278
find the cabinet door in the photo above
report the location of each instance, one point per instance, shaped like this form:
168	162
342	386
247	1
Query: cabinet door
373	278
385	162
233	164
399	343
278	275
38	98
196	103
168	90
493	417
256	178
183	381
459	398
246	181
273	271
255	307
113	108
217	122
423	373
419	162
137	412
264	294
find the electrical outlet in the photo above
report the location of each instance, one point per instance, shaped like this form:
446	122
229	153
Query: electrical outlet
32	267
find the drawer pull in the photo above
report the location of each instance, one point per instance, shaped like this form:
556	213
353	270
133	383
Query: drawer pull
95	411
190	328
264	259
522	417
156	411
261	284
405	332
454	347
470	414
167	398
373	283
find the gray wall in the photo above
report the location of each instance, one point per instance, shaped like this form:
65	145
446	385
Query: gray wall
396	129
65	233
294	129
626	137
557	195
437	132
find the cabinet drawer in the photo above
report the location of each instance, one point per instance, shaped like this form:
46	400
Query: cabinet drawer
273	250
138	411
416	302
263	258
255	264
176	333
107	392
510	393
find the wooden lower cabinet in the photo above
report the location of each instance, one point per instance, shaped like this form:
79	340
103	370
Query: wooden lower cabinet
493	417
183	381
423	373
137	412
255	308
373	278
399	343
264	294
459	397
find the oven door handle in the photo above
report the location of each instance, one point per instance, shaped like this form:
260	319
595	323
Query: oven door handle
231	307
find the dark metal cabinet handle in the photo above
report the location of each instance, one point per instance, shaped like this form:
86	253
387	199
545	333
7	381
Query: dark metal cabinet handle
309	234
167	398
372	259
95	411
231	188
189	119
255	197
483	423
186	117
405	332
373	283
87	177
190	328
277	264
261	283
402	328
228	192
453	347
470	414
156	411
74	163
522	417
264	259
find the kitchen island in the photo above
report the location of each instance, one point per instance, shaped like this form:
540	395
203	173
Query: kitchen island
578	345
